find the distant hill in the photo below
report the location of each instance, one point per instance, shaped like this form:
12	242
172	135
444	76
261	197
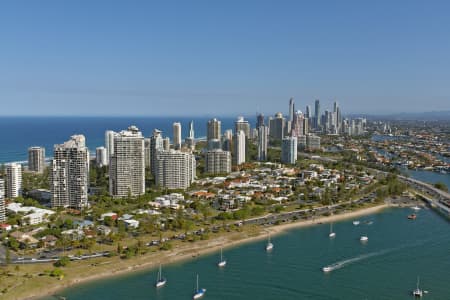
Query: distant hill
423	116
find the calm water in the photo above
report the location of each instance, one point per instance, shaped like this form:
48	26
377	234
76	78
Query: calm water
19	133
428	176
386	267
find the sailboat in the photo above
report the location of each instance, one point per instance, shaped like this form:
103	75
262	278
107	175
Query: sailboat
269	245
418	292
332	234
160	281
198	293
222	263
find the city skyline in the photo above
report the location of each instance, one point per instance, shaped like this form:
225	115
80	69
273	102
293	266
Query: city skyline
372	58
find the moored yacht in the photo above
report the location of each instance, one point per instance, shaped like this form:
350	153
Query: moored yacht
222	262
198	293
160	281
269	245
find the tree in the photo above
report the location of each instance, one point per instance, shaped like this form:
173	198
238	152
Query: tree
441	186
62	262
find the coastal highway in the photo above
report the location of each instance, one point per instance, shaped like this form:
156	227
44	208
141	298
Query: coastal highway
305	213
31	260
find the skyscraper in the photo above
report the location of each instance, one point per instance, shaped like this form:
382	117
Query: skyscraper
308	113
109	143
166	144
259	120
147	143
277	126
70	173
214	131
127	169
291	109
13	180
177	136
289	150
190	140
101	157
317	116
239	148
217	162
156	145
263	136
2	201
312	142
227	141
175	169
242	125
298	124
36	159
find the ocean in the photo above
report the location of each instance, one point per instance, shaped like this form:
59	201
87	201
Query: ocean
19	133
386	267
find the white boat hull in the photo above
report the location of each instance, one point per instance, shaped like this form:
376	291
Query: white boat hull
222	264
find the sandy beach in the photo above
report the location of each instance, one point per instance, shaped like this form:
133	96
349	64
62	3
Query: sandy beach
116	266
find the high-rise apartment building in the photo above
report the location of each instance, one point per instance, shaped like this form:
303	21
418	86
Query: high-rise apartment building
239	148
308	113
259	120
127	168
298	124
166	144
289	150
263	136
226	142
177	136
175	169
70	173
2	201
36	159
156	145
312	142
317	115
217	162
101	156
214	130
13	180
291	109
147	144
277	126
109	143
242	125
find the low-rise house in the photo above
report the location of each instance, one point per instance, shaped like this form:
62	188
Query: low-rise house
25	239
5	227
49	241
131	223
73	234
103	230
111	215
32	215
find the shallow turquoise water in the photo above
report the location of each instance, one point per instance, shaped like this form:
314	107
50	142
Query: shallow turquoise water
386	267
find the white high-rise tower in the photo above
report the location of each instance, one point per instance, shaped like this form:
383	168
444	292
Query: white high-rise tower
36	159
70	173
13	180
239	148
177	136
127	166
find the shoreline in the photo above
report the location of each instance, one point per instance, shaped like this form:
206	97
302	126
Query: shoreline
199	249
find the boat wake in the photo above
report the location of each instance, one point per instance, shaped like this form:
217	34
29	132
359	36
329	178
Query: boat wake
345	262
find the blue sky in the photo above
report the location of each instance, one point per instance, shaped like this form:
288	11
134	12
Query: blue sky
222	57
